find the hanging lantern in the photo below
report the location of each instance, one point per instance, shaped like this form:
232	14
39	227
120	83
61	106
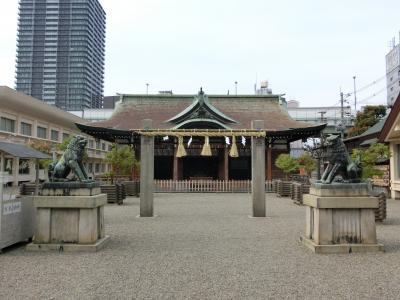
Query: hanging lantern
234	150
206	147
180	152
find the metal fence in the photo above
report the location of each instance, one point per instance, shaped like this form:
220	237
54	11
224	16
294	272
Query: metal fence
206	186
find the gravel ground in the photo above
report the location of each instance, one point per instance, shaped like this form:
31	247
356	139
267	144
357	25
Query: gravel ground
204	246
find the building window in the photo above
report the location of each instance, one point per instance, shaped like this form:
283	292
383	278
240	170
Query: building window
8	165
26	129
109	147
103	146
24	166
65	136
41	132
7	124
90	168
97	144
54	135
91	144
97	168
103	168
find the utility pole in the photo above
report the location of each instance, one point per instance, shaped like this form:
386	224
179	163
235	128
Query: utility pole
236	88
147	88
355	96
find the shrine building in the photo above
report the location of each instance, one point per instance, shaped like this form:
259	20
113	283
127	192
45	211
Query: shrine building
212	115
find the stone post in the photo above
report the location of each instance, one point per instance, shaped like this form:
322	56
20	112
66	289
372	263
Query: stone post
258	171
146	172
269	162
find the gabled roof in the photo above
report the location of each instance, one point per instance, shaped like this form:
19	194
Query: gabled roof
391	121
201	110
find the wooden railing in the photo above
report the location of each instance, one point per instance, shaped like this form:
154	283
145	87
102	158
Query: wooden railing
206	186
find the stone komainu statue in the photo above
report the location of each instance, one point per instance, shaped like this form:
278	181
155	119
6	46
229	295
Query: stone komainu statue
339	162
71	160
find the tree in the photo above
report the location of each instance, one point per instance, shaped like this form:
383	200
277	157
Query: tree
315	149
42	146
64	144
367	118
122	160
307	163
369	157
287	164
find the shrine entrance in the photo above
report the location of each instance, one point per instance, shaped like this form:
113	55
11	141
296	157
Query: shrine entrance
147	136
200	167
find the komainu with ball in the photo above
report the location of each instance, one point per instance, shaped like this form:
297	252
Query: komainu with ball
339	162
70	161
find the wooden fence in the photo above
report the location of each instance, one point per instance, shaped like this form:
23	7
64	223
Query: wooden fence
206	186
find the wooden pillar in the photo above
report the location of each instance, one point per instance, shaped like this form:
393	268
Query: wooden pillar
269	162
180	168
258	171
223	164
175	166
226	164
146	172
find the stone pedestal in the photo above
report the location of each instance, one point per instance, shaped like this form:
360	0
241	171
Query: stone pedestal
69	223
340	218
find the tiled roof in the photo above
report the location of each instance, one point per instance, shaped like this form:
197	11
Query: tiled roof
19	150
373	130
160	108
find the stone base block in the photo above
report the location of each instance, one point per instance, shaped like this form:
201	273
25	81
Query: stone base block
339	189
70	247
69	220
70	188
340	224
341	248
71	192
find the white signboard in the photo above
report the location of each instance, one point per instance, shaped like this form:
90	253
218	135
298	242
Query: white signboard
11	208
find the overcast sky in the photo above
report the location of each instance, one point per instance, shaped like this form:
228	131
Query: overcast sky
307	49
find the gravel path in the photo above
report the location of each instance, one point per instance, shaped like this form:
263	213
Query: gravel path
204	246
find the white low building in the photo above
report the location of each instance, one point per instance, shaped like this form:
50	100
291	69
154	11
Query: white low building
29	121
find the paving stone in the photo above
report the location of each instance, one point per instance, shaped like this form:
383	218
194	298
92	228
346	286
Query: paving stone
204	246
